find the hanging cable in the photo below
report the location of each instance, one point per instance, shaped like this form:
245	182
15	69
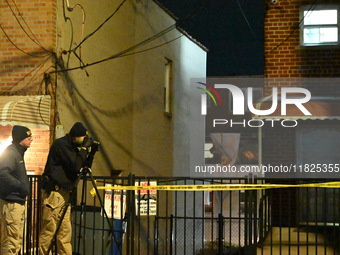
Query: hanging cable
26	75
17	47
36	70
311	8
167	30
146	41
39	109
151	48
110	112
100	26
70	9
246	19
36	41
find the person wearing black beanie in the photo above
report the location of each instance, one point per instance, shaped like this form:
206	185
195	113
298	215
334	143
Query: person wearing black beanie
66	157
14	189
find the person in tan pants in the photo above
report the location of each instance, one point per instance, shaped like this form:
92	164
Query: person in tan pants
65	159
14	189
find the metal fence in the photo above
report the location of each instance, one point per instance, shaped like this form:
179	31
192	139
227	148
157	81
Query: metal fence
270	221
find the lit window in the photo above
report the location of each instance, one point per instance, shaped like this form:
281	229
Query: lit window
320	26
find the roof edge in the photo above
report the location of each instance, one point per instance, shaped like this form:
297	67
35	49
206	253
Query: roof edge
181	30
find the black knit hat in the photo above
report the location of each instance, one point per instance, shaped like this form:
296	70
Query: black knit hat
78	130
19	133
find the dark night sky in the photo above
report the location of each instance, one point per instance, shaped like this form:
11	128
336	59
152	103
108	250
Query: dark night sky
235	43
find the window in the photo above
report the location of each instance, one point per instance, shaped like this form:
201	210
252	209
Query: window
168	88
320	26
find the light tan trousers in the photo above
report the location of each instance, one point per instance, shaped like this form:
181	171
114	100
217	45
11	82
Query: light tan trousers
53	206
12	226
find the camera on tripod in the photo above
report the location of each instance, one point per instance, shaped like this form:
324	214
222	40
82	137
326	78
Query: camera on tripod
94	144
89	142
92	147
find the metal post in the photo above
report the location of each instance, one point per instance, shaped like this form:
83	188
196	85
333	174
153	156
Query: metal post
220	234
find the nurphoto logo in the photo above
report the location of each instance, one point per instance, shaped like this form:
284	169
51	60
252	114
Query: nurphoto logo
280	97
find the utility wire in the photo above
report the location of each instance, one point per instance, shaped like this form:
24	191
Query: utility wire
119	54
71	24
39	67
36	70
311	8
70	9
246	19
36	41
151	48
114	113
125	52
25	52
39	109
100	26
26	75
181	22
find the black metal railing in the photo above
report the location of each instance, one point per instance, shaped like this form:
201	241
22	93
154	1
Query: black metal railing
271	221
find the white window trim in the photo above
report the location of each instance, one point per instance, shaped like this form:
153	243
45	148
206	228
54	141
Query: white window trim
314	8
168	87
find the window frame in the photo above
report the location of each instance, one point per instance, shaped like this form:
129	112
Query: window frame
168	88
303	26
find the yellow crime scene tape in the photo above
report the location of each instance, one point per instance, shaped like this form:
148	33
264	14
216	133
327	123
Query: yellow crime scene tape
214	187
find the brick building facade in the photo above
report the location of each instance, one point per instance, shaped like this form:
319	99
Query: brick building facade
287	60
27	42
284	57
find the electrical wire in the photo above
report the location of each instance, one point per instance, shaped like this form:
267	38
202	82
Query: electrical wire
70	9
115	113
100	26
124	52
39	66
39	110
152	48
36	70
36	41
150	39
311	8
246	19
17	47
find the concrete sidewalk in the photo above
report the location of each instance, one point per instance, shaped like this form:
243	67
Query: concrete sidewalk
294	241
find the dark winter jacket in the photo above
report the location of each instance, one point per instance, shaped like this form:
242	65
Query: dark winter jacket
64	162
14	184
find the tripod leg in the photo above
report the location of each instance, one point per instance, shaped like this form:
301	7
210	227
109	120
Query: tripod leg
62	216
104	211
82	210
53	241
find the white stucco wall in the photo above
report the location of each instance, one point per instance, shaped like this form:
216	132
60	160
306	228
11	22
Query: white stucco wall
167	148
103	98
121	100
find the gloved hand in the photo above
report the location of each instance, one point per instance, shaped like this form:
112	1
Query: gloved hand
87	142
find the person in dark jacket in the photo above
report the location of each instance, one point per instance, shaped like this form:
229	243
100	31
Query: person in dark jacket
14	188
66	157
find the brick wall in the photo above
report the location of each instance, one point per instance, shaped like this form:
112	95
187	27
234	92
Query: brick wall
27	38
36	155
284	57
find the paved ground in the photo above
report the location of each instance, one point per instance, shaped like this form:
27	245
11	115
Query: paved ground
310	243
